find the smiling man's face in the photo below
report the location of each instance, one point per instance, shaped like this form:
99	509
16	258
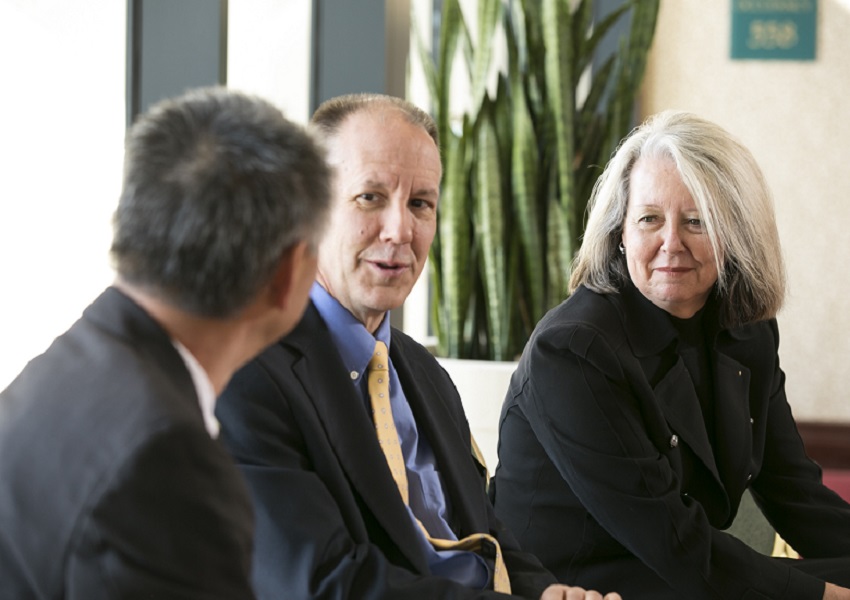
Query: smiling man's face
384	212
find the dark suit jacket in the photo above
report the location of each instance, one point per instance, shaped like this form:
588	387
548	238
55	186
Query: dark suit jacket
608	475
330	520
110	486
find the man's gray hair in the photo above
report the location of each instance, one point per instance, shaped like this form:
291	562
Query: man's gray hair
217	186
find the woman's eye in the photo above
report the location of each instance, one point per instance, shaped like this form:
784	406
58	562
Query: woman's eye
647	219
368	197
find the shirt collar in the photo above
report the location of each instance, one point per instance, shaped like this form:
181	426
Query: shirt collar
353	341
650	328
203	388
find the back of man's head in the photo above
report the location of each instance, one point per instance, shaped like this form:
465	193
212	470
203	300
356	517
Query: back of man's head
217	186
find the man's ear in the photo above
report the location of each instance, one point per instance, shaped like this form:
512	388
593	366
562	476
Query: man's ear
290	273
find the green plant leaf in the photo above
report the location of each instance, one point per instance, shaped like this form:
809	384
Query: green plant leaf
520	166
455	236
489	15
490	230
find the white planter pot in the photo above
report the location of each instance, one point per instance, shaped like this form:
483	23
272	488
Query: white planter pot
482	385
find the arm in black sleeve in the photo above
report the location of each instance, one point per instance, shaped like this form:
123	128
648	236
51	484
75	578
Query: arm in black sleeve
813	519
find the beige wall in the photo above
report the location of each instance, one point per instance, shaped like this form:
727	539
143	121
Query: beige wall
795	117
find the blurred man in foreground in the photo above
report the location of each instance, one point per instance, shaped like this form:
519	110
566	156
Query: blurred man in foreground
111	482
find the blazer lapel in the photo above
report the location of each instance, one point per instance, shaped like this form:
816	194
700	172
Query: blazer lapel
349	431
452	451
651	336
733	428
679	402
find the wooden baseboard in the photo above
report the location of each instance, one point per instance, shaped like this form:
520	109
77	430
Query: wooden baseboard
828	444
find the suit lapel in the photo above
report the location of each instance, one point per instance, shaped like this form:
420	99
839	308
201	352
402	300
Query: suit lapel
436	423
733	429
679	403
651	337
326	385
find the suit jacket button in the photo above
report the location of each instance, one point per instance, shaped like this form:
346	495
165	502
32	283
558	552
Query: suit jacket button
752	421
749	476
674	441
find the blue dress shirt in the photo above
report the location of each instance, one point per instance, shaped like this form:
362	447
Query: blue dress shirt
428	503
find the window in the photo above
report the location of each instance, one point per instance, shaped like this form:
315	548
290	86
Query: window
62	113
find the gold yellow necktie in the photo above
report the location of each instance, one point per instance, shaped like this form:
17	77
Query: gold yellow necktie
378	380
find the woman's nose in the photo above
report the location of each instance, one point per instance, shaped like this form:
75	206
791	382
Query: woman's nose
672	240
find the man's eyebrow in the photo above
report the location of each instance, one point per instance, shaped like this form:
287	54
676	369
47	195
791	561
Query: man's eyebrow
375	183
372	182
426	192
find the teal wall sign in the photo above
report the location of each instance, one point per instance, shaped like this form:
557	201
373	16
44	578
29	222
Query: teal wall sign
774	29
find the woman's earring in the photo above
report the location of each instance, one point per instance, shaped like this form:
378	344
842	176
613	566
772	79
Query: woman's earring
621	248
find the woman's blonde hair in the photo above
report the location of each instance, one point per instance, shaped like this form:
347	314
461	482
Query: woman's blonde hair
733	200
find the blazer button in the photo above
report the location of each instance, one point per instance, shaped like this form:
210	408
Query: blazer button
752	421
749	476
674	441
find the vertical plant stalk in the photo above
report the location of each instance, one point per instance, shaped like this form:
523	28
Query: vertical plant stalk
455	252
491	233
561	104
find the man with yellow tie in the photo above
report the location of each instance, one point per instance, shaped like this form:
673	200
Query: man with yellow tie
352	438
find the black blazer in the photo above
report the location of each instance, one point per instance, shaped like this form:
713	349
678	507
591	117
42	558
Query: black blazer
608	475
110	486
330	520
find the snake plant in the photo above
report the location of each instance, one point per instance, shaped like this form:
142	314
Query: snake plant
521	158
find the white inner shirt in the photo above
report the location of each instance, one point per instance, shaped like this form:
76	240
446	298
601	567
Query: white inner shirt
203	387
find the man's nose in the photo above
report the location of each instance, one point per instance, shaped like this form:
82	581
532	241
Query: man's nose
397	226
